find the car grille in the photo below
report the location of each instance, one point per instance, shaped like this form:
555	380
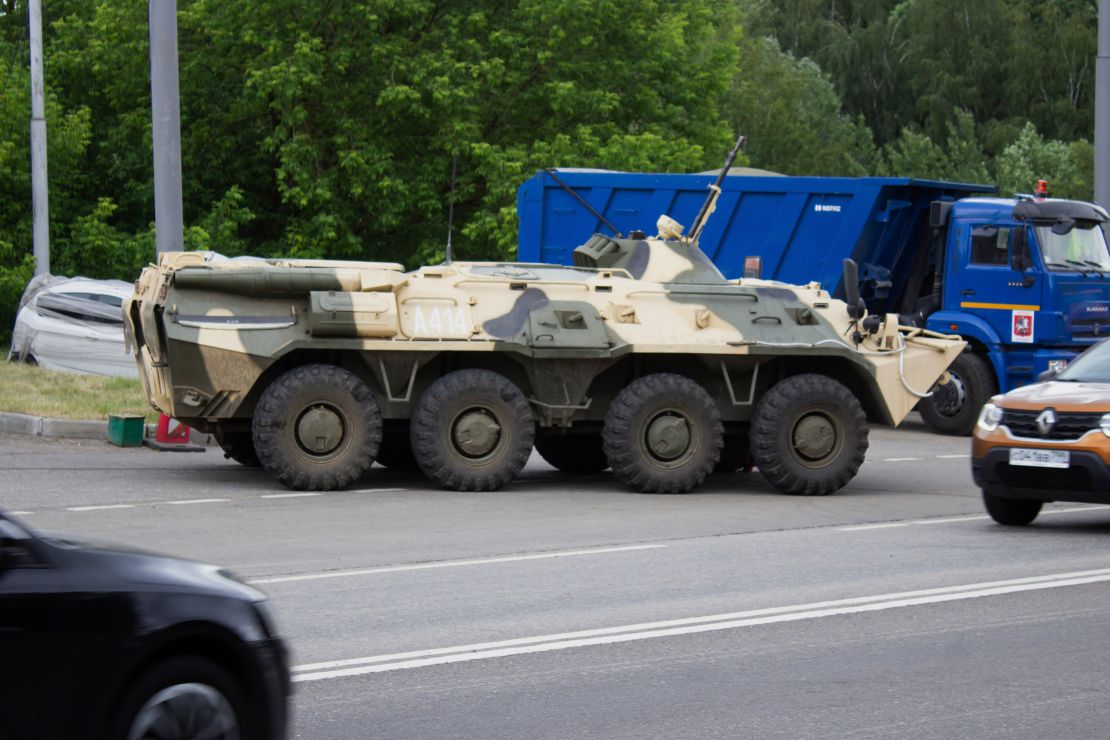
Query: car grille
1068	426
1045	479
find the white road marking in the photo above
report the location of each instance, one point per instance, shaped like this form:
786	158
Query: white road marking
452	564
289	495
886	525
186	501
377	490
1069	511
946	520
686	626
953	457
101	507
21	513
901	459
952	519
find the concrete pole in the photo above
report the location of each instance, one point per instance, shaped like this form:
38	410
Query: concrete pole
40	223
166	116
1102	107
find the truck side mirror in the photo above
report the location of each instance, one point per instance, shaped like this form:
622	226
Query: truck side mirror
1019	252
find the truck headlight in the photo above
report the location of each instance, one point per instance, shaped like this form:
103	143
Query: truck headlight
1104	422
991	416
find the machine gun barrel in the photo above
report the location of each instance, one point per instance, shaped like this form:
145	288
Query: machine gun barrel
715	190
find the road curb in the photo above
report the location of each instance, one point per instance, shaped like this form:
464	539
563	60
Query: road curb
43	426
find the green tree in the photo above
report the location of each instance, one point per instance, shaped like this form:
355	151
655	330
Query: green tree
1067	167
958	158
792	116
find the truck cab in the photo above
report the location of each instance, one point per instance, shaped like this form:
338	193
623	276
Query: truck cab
1027	282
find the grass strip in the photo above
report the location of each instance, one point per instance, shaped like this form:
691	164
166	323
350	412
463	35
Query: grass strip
29	389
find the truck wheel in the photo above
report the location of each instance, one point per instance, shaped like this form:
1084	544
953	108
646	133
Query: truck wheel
736	454
954	407
662	434
1011	511
317	428
396	450
578	454
472	430
809	435
238	446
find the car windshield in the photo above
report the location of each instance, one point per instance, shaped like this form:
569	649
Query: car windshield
1082	248
1093	366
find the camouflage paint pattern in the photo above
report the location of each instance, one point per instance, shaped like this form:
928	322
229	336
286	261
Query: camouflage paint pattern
208	336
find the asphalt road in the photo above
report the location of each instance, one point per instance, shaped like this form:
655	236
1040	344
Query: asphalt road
569	608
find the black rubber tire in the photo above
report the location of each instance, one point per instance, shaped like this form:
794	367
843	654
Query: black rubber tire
943	413
183	671
577	454
316	388
1012	512
641	404
238	446
814	400
736	455
395	452
451	401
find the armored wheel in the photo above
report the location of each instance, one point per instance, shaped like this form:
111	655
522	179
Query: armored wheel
735	454
317	428
662	434
578	454
954	406
396	450
472	430
1011	511
809	435
238	446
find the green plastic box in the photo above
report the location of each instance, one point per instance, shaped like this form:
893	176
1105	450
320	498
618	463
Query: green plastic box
126	430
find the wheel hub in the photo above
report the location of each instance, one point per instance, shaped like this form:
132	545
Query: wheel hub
320	430
668	437
814	437
949	398
476	433
185	711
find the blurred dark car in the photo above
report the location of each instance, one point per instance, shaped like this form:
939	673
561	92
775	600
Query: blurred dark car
102	642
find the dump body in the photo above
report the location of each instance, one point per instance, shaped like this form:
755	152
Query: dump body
803	228
293	364
939	254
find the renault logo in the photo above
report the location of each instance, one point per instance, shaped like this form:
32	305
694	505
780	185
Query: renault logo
1046	421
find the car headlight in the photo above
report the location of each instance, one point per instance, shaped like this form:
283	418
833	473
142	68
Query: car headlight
991	416
1104	422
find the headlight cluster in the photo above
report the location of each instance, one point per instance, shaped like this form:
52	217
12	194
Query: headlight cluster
991	416
1104	422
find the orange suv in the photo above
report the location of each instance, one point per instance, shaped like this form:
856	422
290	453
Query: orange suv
1049	441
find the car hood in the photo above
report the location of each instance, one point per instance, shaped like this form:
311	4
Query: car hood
118	565
1084	397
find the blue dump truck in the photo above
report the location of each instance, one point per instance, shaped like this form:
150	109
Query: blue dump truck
1026	280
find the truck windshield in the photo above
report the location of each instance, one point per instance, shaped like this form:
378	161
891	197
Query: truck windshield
1082	248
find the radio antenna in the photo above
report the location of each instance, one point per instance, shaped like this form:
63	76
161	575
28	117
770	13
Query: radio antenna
451	209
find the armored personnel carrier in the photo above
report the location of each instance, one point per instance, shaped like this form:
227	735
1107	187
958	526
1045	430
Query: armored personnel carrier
641	358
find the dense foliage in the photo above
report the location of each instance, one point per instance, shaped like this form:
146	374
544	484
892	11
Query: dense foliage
329	129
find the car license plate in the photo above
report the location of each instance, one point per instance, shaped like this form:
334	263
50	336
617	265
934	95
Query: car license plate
1040	458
